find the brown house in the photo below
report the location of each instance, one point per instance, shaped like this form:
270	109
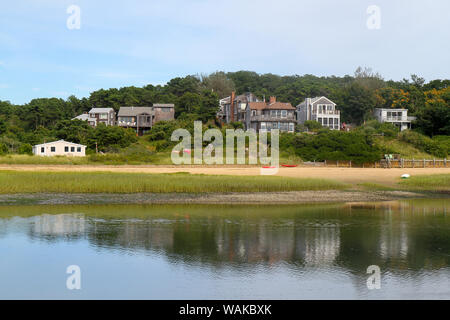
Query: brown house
142	119
270	115
102	115
232	108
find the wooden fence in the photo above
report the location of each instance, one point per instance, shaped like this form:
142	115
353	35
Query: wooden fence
400	163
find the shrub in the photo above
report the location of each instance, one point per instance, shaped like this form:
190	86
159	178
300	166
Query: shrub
424	143
3	148
336	145
25	148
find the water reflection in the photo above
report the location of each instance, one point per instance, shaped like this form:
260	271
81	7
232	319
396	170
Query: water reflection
403	234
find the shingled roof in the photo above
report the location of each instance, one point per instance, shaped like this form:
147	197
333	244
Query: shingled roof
270	106
134	111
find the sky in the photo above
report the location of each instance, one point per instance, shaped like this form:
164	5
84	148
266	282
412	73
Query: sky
136	42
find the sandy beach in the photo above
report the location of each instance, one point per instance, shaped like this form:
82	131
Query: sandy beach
347	175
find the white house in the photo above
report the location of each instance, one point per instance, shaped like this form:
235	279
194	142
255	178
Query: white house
59	148
398	117
320	109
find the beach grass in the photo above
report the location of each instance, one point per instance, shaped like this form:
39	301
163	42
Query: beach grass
437	183
13	182
370	186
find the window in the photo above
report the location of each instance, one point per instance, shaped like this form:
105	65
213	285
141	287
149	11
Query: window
103	116
273	113
263	125
78	149
42	149
52	149
279	113
291	127
72	149
253	112
319	120
66	149
330	122
325	121
126	119
283	113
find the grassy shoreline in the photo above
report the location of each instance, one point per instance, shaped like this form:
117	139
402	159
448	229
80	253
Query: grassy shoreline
44	187
12	182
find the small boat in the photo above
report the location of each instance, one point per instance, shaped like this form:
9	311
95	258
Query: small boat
289	165
267	167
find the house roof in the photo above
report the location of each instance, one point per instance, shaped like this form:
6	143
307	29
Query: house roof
317	99
100	110
242	97
391	109
272	106
164	105
83	117
62	141
134	111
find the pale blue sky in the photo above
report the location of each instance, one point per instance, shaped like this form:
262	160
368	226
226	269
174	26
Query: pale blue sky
137	42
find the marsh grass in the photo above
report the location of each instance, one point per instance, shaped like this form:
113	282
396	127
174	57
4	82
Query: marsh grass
439	183
105	182
376	187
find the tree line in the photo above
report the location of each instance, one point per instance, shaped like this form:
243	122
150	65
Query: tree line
196	97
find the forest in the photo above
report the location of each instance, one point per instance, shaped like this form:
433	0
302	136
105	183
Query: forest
196	97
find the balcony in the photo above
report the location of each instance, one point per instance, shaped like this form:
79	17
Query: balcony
264	117
126	123
327	112
398	119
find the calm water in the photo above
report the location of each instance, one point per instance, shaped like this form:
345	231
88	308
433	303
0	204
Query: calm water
227	252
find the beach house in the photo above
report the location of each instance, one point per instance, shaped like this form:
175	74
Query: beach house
59	148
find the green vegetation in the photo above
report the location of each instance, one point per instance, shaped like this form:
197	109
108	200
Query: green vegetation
437	183
196	97
408	144
332	145
101	182
376	187
435	147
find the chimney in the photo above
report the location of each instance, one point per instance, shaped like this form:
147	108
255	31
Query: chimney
233	95
273	99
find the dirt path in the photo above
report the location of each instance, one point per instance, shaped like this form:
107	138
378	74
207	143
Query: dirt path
349	175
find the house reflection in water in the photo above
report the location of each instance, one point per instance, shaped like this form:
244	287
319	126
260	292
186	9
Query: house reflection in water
350	235
59	225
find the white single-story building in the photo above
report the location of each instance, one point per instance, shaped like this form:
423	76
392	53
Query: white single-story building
59	148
